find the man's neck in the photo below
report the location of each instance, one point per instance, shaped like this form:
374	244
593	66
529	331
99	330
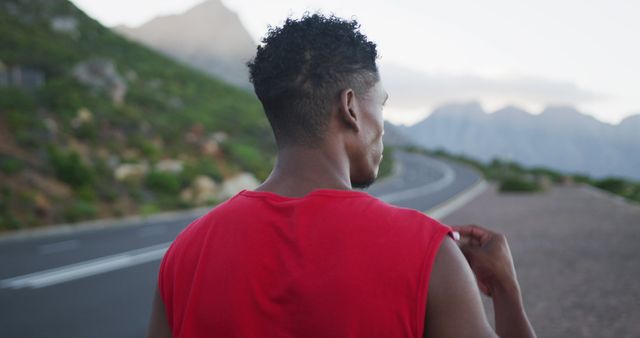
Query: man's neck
300	170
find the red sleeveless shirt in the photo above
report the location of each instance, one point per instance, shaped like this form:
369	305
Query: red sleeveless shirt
334	263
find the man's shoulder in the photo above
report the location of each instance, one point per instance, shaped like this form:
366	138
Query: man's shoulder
409	221
402	214
198	227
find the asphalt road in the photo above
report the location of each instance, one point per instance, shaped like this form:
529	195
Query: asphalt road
575	250
100	283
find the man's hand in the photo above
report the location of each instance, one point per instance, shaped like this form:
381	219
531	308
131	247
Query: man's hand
489	256
454	307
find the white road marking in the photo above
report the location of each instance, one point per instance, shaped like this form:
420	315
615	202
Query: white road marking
85	269
446	208
50	248
448	178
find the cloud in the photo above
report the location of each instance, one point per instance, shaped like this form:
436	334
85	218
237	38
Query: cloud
410	89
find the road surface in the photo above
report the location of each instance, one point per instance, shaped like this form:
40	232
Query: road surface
100	283
576	255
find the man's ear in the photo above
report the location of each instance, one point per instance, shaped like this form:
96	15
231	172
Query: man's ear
348	109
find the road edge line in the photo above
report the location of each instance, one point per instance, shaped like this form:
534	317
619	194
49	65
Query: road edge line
454	203
105	223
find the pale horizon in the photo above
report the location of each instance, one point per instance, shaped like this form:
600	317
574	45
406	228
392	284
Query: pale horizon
529	54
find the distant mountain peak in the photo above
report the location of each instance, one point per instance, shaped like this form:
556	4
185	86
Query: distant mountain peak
631	120
469	108
561	110
511	110
208	36
630	126
568	115
209	7
511	115
209	4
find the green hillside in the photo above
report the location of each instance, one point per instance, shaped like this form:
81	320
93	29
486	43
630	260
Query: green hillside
93	125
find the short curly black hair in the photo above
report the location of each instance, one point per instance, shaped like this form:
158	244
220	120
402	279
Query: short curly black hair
301	68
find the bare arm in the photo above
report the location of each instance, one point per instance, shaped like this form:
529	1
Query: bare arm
454	307
158	326
511	320
490	259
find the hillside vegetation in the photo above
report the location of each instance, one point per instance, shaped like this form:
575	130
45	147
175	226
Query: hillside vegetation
93	125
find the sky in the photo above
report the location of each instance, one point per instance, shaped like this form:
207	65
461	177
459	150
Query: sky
529	53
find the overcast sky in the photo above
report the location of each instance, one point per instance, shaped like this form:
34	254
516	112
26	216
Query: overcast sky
529	52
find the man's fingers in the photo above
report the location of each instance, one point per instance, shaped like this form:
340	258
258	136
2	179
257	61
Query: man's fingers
478	234
466	243
463	241
472	230
466	240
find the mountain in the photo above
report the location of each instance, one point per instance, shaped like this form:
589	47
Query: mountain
95	125
394	136
208	37
560	137
629	128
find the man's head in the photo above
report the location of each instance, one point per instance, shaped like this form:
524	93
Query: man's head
319	85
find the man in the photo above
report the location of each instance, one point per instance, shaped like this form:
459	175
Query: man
304	255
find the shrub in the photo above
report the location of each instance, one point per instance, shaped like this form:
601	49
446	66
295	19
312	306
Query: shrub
517	184
7	220
64	96
87	131
148	209
86	193
10	165
10	222
581	178
68	167
19	120
16	99
163	182
386	166
248	158
150	151
614	185
635	194
26	127
135	192
170	202
147	149
79	210
552	174
202	166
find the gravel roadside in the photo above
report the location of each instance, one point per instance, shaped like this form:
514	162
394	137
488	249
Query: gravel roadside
577	255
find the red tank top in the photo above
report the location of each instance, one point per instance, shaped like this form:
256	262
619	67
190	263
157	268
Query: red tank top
334	263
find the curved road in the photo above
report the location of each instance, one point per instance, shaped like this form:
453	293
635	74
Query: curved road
99	283
422	183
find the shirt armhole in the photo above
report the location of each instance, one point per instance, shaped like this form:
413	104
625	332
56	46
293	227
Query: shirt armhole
162	285
162	273
438	235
